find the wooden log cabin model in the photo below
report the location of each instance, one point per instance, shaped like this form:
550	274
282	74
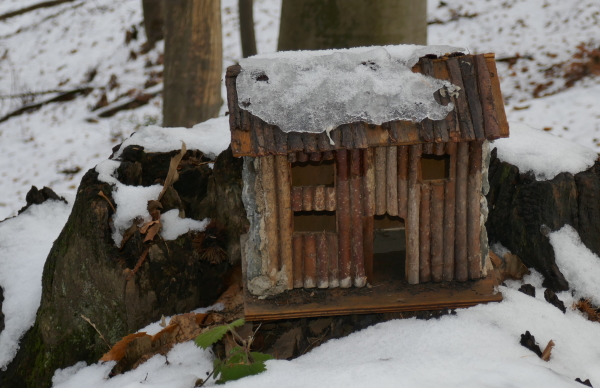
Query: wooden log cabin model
365	167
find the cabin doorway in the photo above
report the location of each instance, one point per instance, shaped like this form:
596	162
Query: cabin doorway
389	249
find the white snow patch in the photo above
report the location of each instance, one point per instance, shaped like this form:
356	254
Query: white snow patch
187	363
313	91
542	153
24	245
173	226
210	137
580	266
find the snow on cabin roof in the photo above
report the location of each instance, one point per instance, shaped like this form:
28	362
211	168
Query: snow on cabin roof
448	96
316	91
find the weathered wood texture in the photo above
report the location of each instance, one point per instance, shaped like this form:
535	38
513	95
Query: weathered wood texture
460	245
286	222
478	114
449	214
402	180
474	210
425	234
343	218
412	217
392	181
437	231
380	180
356	214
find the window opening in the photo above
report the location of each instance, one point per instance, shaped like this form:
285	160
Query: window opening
389	248
313	173
435	167
314	221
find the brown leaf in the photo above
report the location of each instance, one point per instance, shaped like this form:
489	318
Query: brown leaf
117	352
144	228
547	352
138	265
154	209
173	175
129	233
153	231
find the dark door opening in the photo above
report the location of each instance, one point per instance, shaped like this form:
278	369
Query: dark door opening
389	249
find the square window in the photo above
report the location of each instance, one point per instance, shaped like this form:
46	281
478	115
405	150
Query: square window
314	221
313	173
435	167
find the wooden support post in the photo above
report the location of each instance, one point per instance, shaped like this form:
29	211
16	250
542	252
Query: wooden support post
380	180
319	199
298	245
297	198
437	231
286	221
369	181
310	260
343	218
330	199
460	251
449	214
322	261
425	234
308	194
356	214
392	180
402	181
498	100
334	269
267	167
474	210
412	216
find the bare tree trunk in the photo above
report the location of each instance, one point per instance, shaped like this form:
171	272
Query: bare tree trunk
193	62
322	24
247	28
153	20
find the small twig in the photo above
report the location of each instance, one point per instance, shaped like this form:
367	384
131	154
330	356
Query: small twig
97	331
207	378
107	200
138	264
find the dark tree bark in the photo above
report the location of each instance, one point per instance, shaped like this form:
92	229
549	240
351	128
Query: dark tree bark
523	211
323	24
247	28
153	20
193	62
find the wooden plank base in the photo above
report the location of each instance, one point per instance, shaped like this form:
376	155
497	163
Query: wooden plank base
383	298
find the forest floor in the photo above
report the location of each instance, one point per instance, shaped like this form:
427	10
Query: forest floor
548	54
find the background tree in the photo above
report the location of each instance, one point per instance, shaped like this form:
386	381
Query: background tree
193	62
153	20
323	24
248	38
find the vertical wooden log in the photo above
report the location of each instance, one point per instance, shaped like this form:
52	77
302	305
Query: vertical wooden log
449	214
269	137
474	210
286	219
330	199
491	127
347	136
469	76
258	136
315	157
369	181
402	181
462	106
437	231
359	135
292	157
281	142
336	137
271	215
319	198
308	194
428	148
440	71
380	180
310	260
302	156
439	148
425	234
323	142
368	235
334	269
460	251
328	155
298	246
297	198
392	180
412	216
310	142
322	261
356	214
343	218
295	141
440	130
498	100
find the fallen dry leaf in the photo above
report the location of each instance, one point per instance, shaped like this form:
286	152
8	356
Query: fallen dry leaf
173	175
547	351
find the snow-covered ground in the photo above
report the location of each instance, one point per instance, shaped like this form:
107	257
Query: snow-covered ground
57	48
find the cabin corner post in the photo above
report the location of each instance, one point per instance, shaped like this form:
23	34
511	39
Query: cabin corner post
343	218
286	222
460	245
356	219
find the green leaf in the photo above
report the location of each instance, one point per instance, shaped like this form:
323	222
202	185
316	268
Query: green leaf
261	357
213	335
235	372
217	365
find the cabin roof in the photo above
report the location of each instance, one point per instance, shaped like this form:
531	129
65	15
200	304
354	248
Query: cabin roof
478	114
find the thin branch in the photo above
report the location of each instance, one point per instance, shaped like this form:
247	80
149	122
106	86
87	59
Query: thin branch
97	331
33	7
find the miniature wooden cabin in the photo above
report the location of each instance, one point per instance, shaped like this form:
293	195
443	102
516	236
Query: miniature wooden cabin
402	196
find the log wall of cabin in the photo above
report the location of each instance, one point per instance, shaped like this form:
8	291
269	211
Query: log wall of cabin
442	216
